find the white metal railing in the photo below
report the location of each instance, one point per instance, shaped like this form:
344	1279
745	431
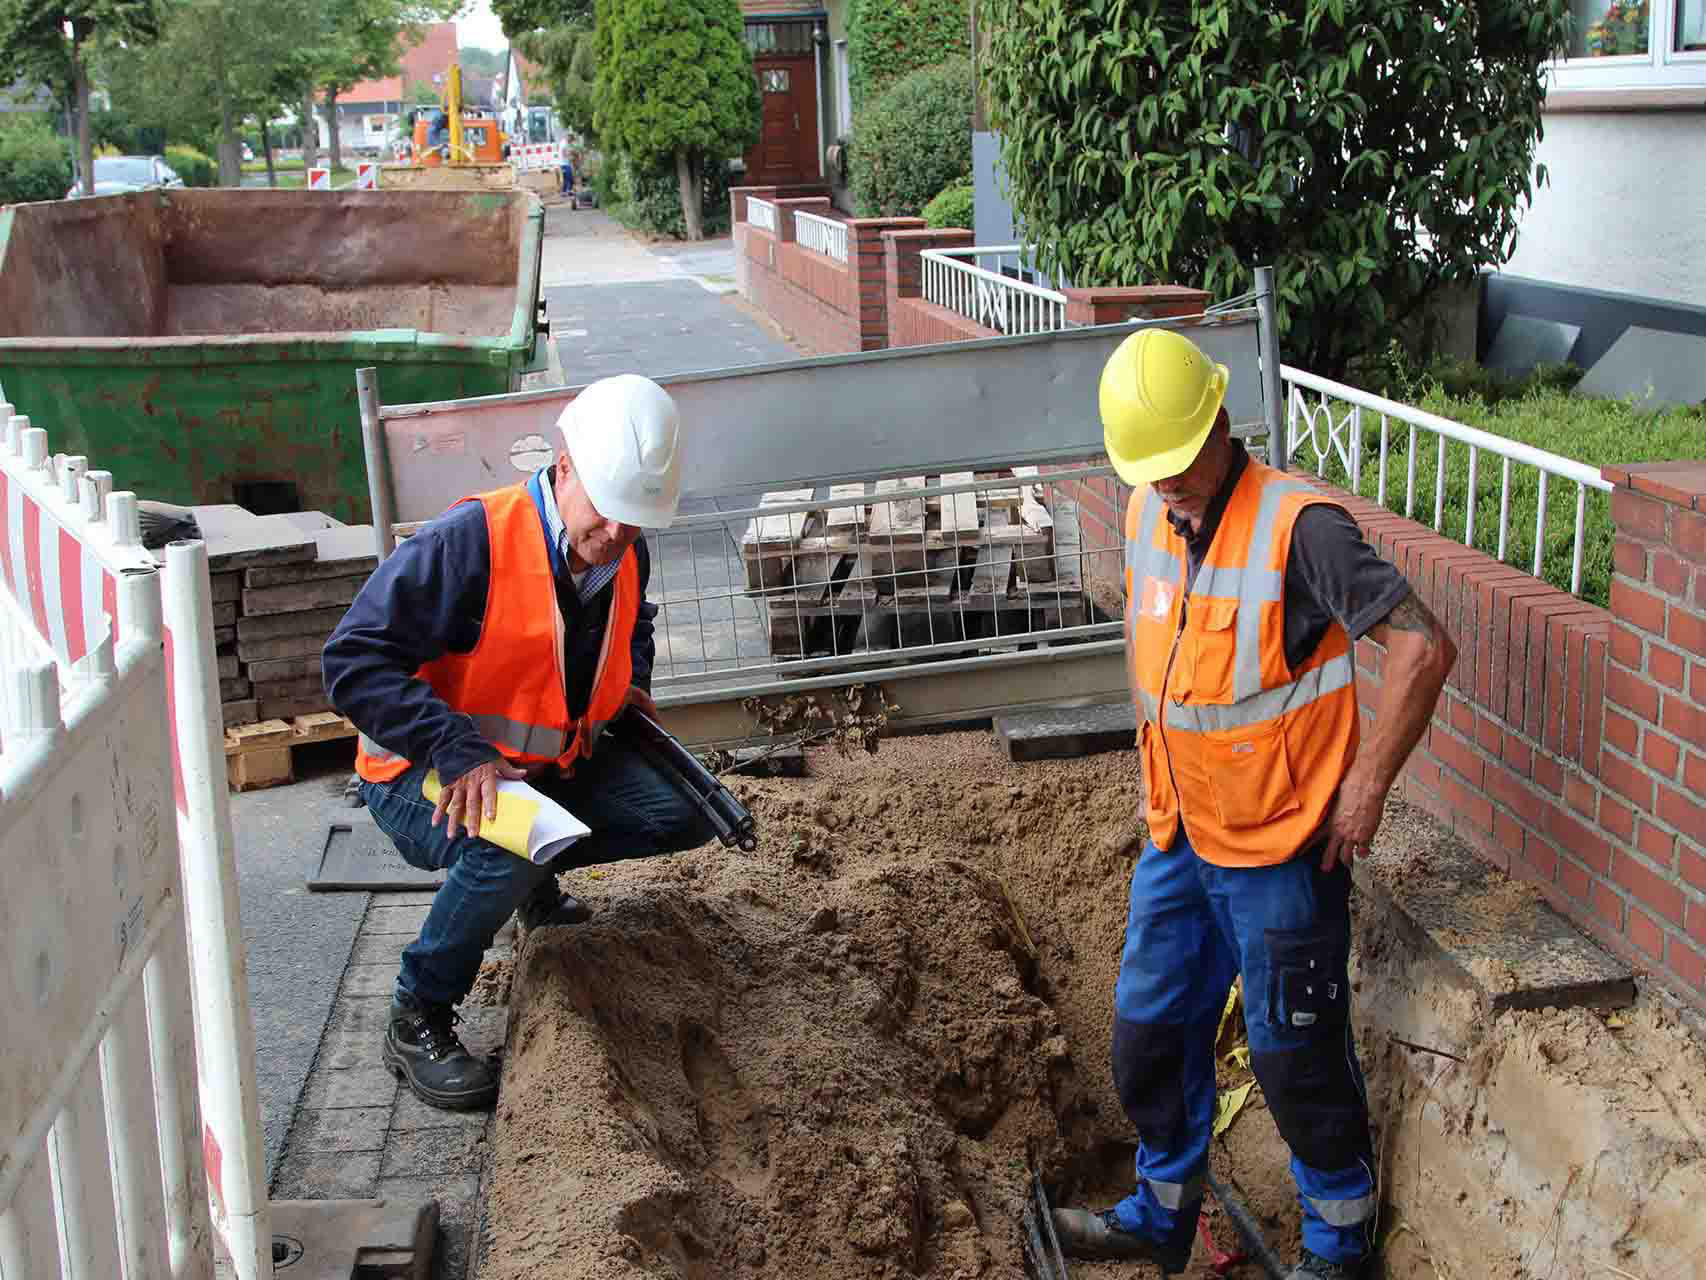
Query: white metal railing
985	285
761	214
1331	424
131	1110
826	235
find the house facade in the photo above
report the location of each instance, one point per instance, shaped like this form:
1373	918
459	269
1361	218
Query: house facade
369	114
800	56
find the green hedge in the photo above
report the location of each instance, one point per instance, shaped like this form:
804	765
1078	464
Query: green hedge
35	162
953	207
914	140
196	168
651	201
888	38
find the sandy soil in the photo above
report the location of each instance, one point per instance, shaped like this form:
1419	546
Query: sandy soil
840	1056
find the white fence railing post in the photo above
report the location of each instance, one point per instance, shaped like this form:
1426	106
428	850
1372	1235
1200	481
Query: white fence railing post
761	214
230	1103
827	236
1328	435
990	297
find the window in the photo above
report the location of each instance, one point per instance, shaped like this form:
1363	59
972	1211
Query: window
779	37
774	80
1634	45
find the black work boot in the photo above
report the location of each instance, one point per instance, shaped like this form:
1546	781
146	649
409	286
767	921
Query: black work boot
1312	1266
422	1048
548	905
1085	1234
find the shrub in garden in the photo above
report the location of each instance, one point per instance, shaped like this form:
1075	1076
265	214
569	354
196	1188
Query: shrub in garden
196	168
953	207
913	140
35	162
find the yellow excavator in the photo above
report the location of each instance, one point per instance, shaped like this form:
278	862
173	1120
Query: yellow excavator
466	153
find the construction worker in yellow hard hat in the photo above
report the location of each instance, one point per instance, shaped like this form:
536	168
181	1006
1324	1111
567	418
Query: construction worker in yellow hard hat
1246	589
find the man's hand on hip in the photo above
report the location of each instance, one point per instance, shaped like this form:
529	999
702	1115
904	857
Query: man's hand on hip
473	798
1355	817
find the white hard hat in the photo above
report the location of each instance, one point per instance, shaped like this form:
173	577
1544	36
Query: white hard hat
623	435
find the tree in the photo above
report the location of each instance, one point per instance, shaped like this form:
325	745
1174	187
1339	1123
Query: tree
675	81
521	16
1374	151
568	55
48	42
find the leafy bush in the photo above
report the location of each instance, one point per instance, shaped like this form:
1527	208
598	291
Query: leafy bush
953	207
1374	152
35	163
194	167
888	38
650	201
913	140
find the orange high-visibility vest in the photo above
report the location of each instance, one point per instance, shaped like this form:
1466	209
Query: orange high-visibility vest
512	684
1247	752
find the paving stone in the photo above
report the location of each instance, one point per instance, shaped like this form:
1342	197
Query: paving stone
409	1113
1054	733
344	1129
381	948
370	979
297	597
348	1050
389	919
366	1014
426	1153
1491	935
270	626
337	1088
326	1175
341	552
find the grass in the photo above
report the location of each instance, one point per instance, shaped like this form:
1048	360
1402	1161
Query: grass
1541	412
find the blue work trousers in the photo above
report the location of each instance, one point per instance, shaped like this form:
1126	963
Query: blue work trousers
633	813
568	179
1193	927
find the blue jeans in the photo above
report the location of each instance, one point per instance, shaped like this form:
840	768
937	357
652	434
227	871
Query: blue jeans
568	180
1193	927
632	811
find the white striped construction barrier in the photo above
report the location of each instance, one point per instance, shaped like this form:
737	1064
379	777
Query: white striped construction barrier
532	156
366	176
319	179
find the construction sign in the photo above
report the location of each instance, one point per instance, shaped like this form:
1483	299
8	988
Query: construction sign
366	176
319	179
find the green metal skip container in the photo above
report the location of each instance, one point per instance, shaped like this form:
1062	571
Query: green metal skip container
202	345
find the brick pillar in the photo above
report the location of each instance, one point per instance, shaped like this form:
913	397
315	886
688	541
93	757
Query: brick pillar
902	275
738	195
786	209
1653	747
1134	302
866	259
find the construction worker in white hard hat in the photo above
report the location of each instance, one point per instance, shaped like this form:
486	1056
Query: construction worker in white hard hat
1246	589
497	643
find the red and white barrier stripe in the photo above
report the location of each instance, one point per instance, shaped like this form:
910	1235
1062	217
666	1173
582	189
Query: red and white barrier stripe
366	176
319	179
71	595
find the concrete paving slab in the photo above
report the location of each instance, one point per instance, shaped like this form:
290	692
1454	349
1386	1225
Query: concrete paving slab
660	328
1652	367
1493	935
341	1129
296	942
388	919
381	948
409	1113
363	1086
1526	341
421	1153
327	1175
370	979
1057	733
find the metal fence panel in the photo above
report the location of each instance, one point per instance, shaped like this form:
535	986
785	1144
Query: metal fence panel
908	410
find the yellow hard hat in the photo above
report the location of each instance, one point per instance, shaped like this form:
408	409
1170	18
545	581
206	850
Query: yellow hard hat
1160	396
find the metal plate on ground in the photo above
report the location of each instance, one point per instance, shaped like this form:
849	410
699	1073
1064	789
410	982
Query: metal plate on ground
359	857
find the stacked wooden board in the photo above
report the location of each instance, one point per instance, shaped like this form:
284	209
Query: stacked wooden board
873	568
280	584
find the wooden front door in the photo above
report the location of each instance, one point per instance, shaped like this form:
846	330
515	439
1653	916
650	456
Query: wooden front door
787	141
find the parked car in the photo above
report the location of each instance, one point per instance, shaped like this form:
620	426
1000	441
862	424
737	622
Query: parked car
115	175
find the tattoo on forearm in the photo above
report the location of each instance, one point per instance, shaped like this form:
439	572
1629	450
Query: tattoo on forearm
1410	614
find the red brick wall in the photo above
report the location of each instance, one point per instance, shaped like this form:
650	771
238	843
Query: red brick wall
1570	743
824	305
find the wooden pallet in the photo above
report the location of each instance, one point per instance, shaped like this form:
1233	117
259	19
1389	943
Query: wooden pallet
914	571
259	755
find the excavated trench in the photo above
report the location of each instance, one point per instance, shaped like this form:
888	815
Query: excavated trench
840	1056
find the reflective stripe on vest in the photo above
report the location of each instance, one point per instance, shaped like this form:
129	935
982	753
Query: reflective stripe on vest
512	685
1245	750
